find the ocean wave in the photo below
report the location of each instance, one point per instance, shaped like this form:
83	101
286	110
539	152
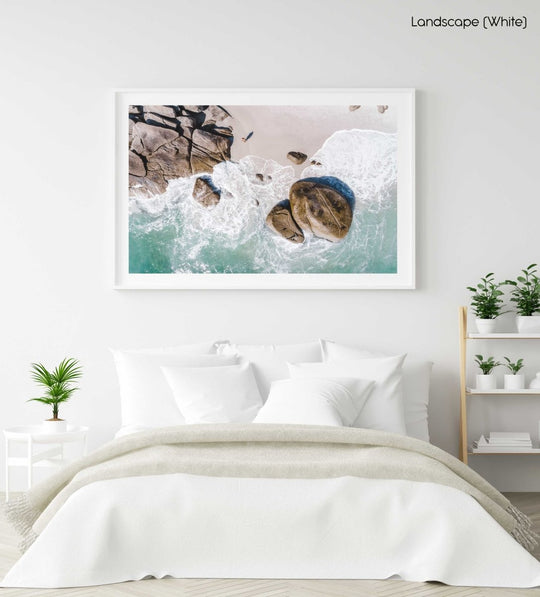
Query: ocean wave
233	236
364	160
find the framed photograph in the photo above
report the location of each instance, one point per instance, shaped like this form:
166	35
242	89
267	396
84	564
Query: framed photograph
265	188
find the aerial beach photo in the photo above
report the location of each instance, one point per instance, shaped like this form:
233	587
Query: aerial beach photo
262	189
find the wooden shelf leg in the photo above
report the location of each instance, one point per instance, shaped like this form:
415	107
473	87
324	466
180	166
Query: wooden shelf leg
463	384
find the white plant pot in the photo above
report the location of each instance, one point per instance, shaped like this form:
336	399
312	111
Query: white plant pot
50	426
486	382
528	324
486	326
514	382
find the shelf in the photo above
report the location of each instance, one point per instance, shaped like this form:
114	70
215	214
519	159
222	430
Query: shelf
502	392
475	451
466	450
465	393
503	336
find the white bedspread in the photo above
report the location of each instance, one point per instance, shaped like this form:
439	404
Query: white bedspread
197	526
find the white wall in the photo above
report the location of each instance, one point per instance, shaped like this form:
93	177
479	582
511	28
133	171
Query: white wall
478	122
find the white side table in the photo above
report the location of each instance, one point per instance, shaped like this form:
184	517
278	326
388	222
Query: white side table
33	435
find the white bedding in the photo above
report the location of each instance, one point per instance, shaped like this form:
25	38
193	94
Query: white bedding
197	526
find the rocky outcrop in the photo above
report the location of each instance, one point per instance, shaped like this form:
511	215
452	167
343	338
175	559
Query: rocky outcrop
281	221
297	157
322	205
168	111
214	115
148	138
205	192
208	148
168	142
136	165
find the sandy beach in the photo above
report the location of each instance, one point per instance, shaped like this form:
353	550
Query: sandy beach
280	129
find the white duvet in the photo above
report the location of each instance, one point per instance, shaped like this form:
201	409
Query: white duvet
185	526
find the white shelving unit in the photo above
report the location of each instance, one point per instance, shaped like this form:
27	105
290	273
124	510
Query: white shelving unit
35	438
466	392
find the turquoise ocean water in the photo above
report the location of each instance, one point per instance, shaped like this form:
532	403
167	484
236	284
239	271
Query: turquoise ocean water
172	233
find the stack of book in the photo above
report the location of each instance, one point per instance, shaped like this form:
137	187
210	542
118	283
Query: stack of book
504	441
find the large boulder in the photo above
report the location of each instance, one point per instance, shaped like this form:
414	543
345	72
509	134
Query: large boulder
323	205
281	221
205	192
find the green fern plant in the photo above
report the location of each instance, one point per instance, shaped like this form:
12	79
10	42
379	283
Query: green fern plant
487	365
58	384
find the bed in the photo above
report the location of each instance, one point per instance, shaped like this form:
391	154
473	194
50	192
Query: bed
298	461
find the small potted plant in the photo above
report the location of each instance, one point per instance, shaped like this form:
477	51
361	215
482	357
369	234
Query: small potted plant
526	296
58	388
486	380
514	380
486	303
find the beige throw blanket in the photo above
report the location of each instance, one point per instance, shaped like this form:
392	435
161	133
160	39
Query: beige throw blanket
277	451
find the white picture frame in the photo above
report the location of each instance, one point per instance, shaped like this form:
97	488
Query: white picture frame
402	105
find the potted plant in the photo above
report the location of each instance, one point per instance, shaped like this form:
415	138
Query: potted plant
486	303
514	380
58	388
486	380
526	296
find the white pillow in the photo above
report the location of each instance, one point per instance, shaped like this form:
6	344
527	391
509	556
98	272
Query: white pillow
224	395
384	407
270	360
146	399
315	401
416	381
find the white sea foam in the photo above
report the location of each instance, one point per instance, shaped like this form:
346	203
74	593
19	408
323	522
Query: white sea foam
364	160
233	236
